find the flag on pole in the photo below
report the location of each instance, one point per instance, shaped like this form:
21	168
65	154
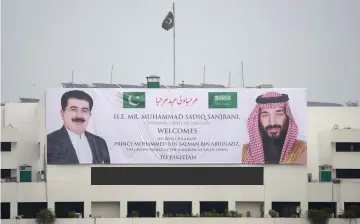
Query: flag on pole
168	22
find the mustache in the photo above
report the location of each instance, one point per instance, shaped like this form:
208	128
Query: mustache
78	119
272	126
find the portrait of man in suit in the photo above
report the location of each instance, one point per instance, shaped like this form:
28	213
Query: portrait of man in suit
72	144
273	133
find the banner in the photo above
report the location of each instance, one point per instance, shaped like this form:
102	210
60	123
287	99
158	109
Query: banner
176	126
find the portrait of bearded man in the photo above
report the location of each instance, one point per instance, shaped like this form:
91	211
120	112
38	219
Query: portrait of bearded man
273	133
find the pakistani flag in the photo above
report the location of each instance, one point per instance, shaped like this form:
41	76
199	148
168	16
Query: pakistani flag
134	100
168	22
222	99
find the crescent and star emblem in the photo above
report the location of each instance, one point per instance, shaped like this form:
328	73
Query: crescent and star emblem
132	103
169	21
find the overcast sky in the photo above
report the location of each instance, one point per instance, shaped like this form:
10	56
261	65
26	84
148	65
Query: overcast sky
288	43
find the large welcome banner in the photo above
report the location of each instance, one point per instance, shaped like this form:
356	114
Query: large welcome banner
176	126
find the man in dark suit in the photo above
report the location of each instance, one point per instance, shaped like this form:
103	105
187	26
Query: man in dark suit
72	144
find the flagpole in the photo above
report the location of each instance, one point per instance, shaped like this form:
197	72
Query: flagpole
242	74
204	76
111	74
174	43
229	82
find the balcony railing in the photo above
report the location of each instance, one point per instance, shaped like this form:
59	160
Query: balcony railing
9	179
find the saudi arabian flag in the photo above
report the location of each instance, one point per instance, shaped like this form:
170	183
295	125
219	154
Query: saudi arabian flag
134	100
222	99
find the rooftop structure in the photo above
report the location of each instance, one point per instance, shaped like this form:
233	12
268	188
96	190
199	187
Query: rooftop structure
28	100
184	85
322	104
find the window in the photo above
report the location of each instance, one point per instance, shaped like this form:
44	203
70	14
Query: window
141	209
62	209
213	206
285	209
329	207
348	173
5	210
174	208
347	147
6	146
350	205
29	209
5	173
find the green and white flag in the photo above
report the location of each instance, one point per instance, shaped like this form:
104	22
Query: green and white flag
134	100
222	99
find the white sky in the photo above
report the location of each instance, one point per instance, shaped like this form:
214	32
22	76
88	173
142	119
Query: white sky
288	43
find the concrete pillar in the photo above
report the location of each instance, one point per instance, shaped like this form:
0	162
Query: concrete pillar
196	207
304	205
340	205
51	205
232	206
160	207
123	209
13	210
87	209
267	207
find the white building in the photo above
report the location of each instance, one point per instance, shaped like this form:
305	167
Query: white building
333	138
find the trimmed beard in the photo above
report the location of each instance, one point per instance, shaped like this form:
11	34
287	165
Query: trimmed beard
277	139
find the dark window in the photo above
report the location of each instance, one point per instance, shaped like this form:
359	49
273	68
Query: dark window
5	173
219	207
28	210
5	210
177	175
62	209
325	206
6	146
348	173
141	209
348	147
285	209
354	206
175	208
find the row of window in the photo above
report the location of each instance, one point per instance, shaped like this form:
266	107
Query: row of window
7	174
170	208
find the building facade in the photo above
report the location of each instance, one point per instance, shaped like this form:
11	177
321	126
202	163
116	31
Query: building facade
28	184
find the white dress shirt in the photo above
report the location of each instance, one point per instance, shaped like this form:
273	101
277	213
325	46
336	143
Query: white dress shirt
82	147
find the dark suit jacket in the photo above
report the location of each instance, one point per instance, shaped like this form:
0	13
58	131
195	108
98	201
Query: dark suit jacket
61	151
